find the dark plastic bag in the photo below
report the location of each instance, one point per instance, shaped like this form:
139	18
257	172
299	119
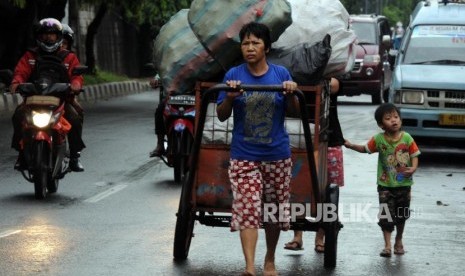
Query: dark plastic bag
306	63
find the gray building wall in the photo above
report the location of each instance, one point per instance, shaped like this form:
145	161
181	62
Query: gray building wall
115	46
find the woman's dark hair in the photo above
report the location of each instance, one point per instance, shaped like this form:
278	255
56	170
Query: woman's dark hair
384	109
257	29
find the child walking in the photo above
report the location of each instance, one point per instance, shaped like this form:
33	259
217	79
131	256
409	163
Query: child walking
397	162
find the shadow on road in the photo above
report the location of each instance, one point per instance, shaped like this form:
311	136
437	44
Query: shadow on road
168	184
28	198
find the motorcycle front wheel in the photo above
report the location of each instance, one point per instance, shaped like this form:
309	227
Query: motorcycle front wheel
41	174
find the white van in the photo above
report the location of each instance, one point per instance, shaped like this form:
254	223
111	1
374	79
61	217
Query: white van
428	83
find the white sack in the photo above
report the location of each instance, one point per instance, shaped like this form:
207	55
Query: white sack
311	21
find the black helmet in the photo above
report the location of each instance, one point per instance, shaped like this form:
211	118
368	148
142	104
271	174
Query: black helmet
68	34
49	25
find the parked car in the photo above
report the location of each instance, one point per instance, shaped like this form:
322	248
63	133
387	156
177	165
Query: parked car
371	73
429	78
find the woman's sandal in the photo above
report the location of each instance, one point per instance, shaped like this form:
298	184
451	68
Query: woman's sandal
399	250
293	245
385	253
320	248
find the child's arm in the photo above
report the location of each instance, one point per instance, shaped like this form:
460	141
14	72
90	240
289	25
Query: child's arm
409	171
359	148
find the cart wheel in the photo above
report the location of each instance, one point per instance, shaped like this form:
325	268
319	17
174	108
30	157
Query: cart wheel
332	228
184	225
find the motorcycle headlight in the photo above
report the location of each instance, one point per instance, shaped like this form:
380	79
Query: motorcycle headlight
41	119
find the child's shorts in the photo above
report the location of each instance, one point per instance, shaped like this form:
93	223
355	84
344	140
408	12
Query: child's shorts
256	183
394	204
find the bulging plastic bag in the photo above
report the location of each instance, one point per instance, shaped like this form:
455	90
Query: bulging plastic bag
311	21
306	63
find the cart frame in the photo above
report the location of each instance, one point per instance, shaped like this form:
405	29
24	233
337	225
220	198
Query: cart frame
320	191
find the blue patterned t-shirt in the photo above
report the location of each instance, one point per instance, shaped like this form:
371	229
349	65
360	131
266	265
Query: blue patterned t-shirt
259	133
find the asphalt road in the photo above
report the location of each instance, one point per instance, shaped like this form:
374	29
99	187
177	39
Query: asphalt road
118	217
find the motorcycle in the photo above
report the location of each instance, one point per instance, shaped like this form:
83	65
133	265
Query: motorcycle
179	115
44	136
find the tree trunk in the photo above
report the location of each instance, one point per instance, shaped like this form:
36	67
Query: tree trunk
145	49
92	30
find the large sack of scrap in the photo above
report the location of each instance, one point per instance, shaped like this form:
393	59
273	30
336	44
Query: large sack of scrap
311	21
180	58
203	42
217	23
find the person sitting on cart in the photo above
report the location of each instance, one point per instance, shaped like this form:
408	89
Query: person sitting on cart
260	161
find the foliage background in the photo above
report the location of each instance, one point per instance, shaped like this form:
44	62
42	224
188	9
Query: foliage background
144	18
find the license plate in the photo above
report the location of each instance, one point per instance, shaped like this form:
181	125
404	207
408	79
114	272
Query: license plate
452	119
182	100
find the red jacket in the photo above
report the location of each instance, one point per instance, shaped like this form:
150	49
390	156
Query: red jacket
27	62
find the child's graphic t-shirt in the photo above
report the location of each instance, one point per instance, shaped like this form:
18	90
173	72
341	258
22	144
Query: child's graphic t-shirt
393	158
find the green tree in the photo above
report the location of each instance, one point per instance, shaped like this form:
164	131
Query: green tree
394	10
399	10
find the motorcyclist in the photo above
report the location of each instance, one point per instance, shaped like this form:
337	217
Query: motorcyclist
160	130
68	38
160	124
49	37
67	44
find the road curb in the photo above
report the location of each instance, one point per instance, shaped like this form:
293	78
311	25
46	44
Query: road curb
91	93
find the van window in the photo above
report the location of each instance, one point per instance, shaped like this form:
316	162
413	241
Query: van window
365	32
436	44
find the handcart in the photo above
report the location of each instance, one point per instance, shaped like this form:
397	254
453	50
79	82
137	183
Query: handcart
206	194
